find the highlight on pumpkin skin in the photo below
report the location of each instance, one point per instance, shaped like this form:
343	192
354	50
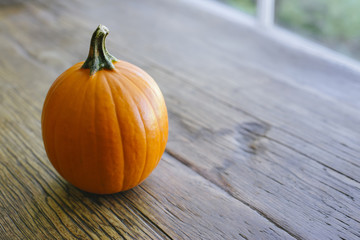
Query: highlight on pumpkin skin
104	131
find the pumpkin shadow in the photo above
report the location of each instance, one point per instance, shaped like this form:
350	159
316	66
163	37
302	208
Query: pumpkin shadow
69	195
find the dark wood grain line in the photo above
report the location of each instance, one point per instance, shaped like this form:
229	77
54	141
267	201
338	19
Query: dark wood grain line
40	226
9	229
68	209
148	222
322	148
20	227
168	211
62	222
119	218
155	226
19	222
309	182
103	217
112	225
313	159
244	237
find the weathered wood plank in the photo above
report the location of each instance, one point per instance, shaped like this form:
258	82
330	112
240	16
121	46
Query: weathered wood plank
174	197
244	157
244	83
241	84
289	151
39	204
287	127
338	121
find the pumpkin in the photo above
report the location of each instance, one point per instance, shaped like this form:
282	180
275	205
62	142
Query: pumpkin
104	122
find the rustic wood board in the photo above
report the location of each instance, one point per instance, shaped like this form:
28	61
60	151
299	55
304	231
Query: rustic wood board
263	144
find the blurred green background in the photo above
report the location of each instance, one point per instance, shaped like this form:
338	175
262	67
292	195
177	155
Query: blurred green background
332	23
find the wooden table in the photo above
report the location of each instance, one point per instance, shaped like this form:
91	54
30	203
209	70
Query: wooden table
263	140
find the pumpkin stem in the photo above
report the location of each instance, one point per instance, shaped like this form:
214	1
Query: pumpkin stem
99	58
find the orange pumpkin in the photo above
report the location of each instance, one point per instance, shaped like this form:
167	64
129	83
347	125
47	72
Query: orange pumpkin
104	122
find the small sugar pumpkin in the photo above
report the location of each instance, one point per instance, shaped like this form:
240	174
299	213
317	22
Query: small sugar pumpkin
104	122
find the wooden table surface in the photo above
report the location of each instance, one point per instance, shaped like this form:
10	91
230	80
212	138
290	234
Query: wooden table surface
264	139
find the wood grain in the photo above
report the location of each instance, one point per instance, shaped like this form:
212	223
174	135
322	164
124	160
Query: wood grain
175	203
263	141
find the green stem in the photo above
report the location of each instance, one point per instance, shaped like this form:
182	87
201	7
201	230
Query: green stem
99	58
